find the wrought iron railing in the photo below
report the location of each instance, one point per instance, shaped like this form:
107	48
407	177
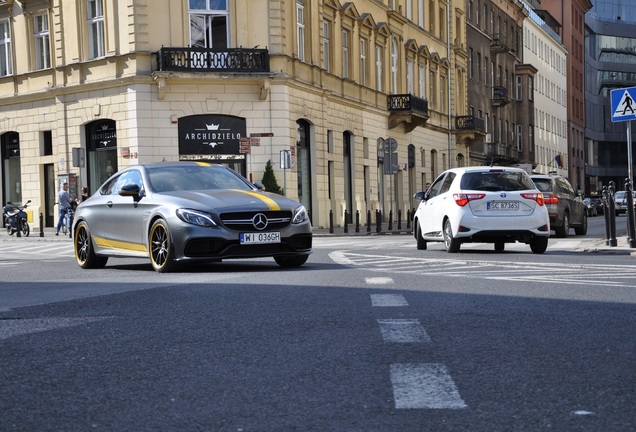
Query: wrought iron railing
213	60
500	96
470	122
407	102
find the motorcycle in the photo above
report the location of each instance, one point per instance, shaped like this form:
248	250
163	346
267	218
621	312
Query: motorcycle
19	216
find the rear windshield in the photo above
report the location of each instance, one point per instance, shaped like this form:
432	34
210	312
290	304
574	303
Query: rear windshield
497	181
544	185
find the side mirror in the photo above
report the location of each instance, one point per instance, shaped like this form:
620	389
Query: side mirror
420	196
260	186
132	190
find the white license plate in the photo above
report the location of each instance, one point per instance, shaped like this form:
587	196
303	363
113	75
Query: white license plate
503	205
259	238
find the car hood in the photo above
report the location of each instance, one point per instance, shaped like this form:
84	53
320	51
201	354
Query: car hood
228	200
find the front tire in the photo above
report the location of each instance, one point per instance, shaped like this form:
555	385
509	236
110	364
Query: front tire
538	245
26	229
84	251
421	243
564	229
291	261
582	230
161	249
451	243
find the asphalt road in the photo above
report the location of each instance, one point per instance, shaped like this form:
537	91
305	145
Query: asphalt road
370	335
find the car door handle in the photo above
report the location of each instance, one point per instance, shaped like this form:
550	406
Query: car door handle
109	204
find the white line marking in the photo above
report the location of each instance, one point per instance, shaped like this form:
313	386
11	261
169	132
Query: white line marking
18	327
378	280
388	300
403	331
424	385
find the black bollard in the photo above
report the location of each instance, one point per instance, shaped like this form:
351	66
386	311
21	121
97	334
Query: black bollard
368	220
390	220
346	222
330	221
357	221
408	219
606	216
612	214
41	225
399	220
631	234
378	221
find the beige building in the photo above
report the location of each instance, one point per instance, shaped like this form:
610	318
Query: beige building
88	87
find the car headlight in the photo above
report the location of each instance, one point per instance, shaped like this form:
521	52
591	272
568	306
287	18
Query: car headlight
300	215
196	217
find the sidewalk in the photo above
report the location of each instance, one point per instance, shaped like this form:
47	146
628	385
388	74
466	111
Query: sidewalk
591	245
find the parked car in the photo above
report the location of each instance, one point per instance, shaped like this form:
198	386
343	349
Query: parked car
620	202
482	204
597	203
590	207
566	209
184	212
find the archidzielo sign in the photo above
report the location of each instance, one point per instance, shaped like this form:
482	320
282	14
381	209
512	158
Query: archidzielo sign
207	134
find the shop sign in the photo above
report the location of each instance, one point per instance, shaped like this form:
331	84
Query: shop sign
102	135
11	146
209	134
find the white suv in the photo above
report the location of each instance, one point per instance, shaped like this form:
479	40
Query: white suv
484	205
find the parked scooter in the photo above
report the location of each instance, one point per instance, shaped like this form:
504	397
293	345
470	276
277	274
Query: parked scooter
16	220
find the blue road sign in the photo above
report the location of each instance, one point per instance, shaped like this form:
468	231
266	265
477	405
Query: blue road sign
623	104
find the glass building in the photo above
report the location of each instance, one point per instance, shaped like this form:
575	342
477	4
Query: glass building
610	63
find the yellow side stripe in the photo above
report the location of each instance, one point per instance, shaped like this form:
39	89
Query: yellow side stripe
267	200
203	163
117	245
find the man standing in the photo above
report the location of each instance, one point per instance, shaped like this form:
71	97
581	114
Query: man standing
64	201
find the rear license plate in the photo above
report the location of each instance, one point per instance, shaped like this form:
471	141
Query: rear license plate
259	238
503	205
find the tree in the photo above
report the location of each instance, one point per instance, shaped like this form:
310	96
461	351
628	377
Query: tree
269	179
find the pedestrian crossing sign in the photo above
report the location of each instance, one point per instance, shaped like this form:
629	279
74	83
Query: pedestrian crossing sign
623	104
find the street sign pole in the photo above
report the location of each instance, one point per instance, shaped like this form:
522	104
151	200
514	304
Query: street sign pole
629	152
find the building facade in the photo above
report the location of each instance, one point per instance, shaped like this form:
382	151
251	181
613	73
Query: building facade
358	96
610	63
542	48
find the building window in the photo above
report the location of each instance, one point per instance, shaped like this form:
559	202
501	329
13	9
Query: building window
432	89
410	84
420	13
530	88
300	29
47	143
95	18
379	67
422	81
519	137
209	24
345	53
519	88
409	9
364	64
5	48
394	66
42	47
326	45
443	87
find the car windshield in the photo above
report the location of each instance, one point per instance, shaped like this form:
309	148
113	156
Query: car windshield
496	180
189	178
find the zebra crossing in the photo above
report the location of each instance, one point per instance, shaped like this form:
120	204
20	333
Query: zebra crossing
37	250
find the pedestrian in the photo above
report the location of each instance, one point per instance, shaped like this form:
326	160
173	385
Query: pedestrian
64	202
85	193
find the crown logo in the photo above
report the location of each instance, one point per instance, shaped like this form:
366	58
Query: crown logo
104	127
212	126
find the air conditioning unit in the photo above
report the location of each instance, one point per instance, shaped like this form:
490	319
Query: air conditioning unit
488	138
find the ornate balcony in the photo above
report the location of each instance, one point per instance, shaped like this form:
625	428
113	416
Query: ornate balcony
469	129
500	154
499	43
408	109
500	96
243	60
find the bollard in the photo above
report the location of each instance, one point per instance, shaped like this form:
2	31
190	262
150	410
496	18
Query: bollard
606	215
390	220
612	214
368	220
631	235
330	221
378	221
70	225
408	219
357	221
41	225
346	221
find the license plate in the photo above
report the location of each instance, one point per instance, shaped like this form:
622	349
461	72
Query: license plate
260	238
503	205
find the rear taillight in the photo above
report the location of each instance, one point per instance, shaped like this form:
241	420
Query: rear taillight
538	197
463	199
551	199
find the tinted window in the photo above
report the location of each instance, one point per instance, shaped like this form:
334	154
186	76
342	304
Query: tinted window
496	180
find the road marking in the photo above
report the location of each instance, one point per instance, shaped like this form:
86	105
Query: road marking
388	300
17	327
403	331
378	280
424	385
